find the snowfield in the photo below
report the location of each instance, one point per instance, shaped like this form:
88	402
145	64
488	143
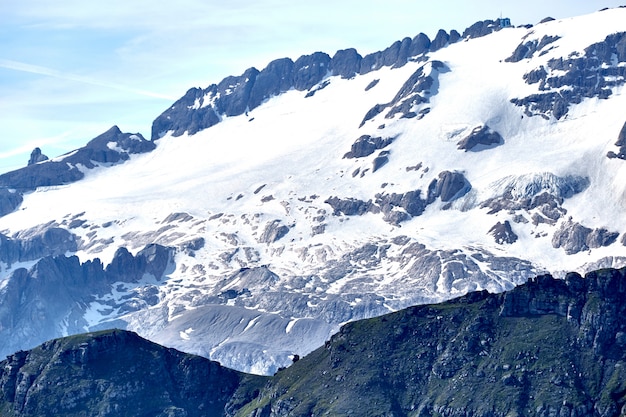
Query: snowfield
264	268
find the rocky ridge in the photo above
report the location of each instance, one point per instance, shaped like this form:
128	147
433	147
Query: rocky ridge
548	347
388	181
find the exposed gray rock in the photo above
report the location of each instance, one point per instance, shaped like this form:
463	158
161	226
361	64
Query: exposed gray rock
273	231
529	48
455	36
53	241
36	243
420	44
153	260
261	278
481	138
396	55
9	200
567	81
601	237
449	186
418	88
441	40
234	93
309	70
111	147
621	143
372	84
574	238
503	233
349	206
367	145
482	28
36	156
276	78
411	202
317	88
59	289
380	160
183	117
346	63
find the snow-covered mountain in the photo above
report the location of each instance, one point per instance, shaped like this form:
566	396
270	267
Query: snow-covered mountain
278	204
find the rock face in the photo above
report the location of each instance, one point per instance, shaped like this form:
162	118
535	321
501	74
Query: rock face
567	81
36	156
410	100
399	207
528	49
621	143
503	233
59	289
367	145
116	373
574	237
482	28
10	199
200	108
273	231
549	347
448	187
112	147
481	138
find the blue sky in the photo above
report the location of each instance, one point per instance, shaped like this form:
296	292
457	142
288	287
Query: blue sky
70	69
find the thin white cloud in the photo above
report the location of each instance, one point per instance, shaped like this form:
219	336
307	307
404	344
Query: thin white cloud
49	72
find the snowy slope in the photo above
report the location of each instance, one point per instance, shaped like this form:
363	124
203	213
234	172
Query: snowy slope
264	267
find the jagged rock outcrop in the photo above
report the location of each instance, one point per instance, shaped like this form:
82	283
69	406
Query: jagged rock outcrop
367	145
10	199
503	233
349	206
200	108
153	260
399	207
111	147
273	231
36	243
481	138
574	237
567	81
36	156
529	48
346	63
482	28
417	90
51	298
448	187
440	41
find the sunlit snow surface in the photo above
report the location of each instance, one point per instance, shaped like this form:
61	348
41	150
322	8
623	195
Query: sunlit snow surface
284	158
